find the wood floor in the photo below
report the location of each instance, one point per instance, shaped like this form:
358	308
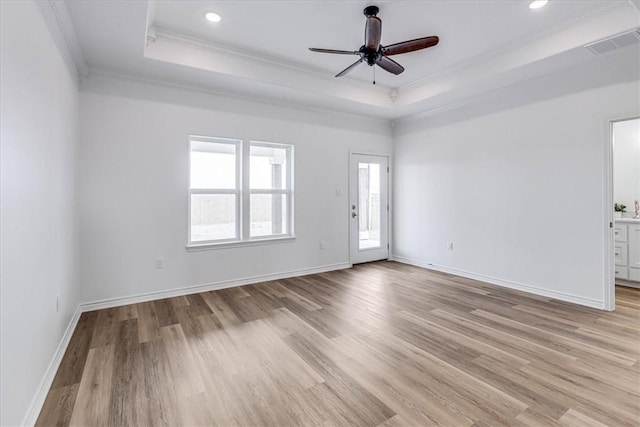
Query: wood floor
380	344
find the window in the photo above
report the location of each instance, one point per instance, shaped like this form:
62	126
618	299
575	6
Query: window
240	191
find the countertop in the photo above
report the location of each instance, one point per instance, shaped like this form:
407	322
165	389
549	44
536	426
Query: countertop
627	220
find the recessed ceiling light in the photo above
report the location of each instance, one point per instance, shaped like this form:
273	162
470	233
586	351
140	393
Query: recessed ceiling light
212	17
537	4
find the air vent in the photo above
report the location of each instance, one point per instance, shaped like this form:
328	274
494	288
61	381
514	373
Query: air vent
616	42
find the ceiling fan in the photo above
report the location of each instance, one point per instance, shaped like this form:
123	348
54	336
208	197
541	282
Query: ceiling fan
376	54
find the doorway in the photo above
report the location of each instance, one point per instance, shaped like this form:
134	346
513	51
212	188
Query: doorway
369	207
623	207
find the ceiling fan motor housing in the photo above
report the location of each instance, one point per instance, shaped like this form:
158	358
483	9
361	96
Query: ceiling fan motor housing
370	56
371	51
371	11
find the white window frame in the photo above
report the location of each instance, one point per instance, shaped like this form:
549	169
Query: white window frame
288	190
243	195
216	191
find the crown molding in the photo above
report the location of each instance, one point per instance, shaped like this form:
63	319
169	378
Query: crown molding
508	61
516	45
342	119
561	46
62	21
237	68
157	32
615	68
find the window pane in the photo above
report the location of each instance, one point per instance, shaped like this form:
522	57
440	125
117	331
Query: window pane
268	168
213	165
268	214
369	205
213	217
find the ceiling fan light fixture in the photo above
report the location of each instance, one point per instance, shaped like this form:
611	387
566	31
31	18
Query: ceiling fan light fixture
537	4
212	17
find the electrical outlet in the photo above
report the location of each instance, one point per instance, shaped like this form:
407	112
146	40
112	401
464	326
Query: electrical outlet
450	246
321	244
159	263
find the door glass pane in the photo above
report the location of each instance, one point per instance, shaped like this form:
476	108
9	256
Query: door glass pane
268	168
213	165
268	214
369	205
213	217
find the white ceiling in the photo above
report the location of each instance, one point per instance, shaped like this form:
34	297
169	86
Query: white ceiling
260	48
286	29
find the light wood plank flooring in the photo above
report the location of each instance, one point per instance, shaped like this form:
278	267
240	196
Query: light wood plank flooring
382	344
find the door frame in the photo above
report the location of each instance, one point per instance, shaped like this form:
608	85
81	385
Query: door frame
609	261
389	195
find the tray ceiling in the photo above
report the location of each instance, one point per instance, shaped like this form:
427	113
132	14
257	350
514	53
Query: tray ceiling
260	48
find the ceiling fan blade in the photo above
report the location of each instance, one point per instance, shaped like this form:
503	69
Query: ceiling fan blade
372	33
410	45
349	68
340	52
390	65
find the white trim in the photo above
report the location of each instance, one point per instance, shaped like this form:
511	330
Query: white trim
389	197
194	247
160	32
270	191
628	283
34	408
513	45
360	121
64	34
237	191
243	194
576	299
70	37
214	191
244	177
609	289
609	292
151	296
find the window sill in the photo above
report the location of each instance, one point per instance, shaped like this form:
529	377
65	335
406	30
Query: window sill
223	245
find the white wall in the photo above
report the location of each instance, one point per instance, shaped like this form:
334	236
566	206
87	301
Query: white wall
134	186
626	166
38	242
516	182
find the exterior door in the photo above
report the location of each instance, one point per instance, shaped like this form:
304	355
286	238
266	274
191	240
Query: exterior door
369	208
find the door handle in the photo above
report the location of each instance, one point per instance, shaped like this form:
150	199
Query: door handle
353	214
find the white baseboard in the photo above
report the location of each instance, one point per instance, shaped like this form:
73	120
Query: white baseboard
576	299
38	400
33	411
133	299
627	283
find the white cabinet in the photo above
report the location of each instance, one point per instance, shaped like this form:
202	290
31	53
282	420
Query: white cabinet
627	249
622	272
620	253
633	237
620	232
